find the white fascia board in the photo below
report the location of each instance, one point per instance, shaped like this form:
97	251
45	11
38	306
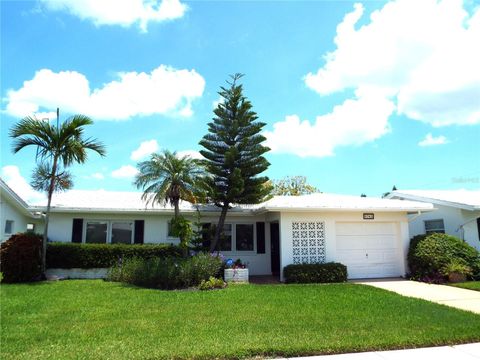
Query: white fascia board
336	209
136	211
432	200
16	200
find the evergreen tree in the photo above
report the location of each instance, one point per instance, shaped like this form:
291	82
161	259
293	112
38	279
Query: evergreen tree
233	153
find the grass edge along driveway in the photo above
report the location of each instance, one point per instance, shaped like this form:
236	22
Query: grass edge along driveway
102	320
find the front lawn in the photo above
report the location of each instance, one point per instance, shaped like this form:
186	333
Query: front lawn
471	285
99	320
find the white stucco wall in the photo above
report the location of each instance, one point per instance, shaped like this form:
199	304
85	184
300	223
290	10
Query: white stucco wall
156	231
330	219
453	219
9	212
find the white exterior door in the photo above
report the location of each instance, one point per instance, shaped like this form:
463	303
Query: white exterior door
369	250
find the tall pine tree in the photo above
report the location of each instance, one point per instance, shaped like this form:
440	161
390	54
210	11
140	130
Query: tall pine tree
234	154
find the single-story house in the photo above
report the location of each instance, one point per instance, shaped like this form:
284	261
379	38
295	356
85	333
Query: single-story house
369	235
15	214
458	213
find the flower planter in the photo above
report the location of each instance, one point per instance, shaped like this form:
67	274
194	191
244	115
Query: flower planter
456	277
236	275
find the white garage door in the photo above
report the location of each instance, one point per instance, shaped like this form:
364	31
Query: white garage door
369	250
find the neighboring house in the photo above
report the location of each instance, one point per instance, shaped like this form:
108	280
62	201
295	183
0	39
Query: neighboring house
458	213
369	235
15	215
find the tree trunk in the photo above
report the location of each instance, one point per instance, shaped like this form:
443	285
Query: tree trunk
176	209
47	217
219	229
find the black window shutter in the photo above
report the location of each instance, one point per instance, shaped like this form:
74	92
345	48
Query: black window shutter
260	238
139	230
77	229
206	235
478	227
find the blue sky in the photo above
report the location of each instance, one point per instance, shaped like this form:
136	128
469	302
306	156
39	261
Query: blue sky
357	97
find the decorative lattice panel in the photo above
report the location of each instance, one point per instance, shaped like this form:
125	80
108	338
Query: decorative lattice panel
308	242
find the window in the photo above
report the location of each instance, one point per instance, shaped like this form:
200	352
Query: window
9	226
434	226
244	237
122	232
31	227
96	232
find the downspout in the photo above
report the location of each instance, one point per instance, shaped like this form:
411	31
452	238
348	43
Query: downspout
463	230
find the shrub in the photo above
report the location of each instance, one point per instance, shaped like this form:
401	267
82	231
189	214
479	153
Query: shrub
429	254
315	273
212	283
163	273
166	273
86	256
200	267
20	258
456	266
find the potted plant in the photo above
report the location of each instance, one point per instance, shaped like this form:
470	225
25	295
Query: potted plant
456	271
235	271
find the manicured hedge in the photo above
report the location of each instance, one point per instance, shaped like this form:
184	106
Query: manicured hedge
429	254
21	258
86	256
315	273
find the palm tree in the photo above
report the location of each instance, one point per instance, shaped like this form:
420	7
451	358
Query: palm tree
166	178
58	147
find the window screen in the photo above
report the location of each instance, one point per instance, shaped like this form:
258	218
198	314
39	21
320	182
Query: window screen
434	226
96	232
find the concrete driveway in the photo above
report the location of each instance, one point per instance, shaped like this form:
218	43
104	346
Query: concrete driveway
456	352
442	294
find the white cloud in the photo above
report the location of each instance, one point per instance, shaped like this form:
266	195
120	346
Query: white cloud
421	54
192	153
123	13
163	91
430	140
145	149
125	171
12	177
354	122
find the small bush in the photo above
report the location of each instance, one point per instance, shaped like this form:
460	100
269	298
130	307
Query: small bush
212	283
201	267
166	273
429	254
21	259
315	273
87	256
163	273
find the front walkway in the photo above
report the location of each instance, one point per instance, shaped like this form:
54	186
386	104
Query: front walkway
456	352
442	294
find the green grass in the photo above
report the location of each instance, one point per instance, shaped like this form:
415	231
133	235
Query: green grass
471	285
87	319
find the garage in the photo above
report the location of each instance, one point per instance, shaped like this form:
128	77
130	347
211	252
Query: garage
369	250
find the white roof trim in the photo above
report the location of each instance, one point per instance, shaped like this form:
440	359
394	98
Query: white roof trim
130	202
398	194
17	201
